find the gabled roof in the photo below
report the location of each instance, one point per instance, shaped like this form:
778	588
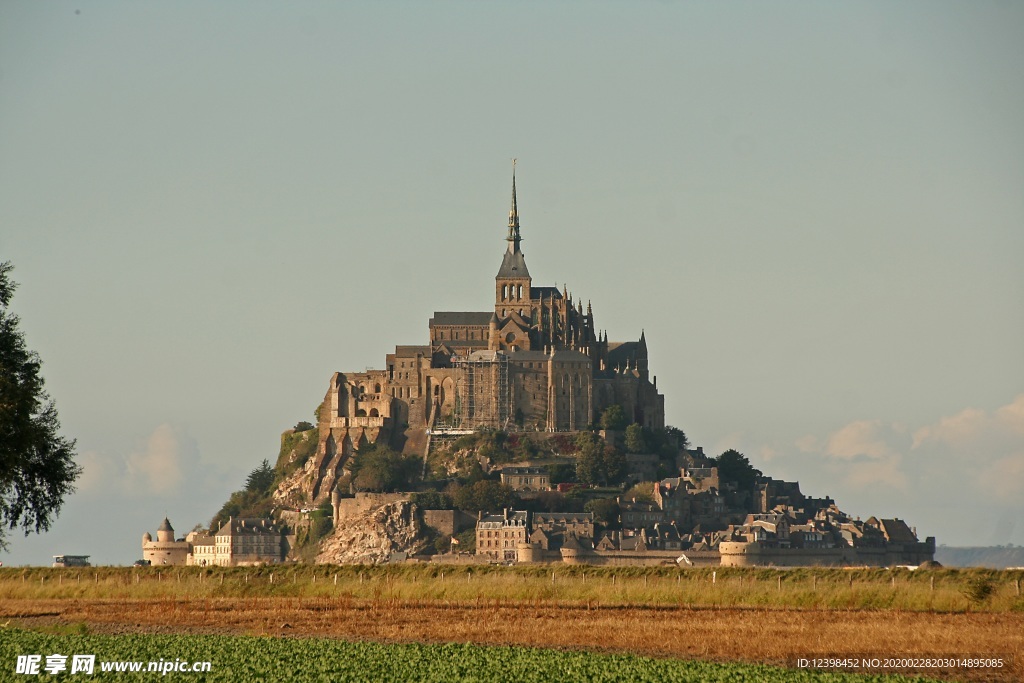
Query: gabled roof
897	531
479	318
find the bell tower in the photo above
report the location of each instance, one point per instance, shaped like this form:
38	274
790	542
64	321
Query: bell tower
512	284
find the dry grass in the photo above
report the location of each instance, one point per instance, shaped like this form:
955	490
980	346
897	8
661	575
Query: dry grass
749	615
723	634
933	591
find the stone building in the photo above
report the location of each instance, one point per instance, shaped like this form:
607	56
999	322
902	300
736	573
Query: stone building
535	360
526	478
498	535
165	550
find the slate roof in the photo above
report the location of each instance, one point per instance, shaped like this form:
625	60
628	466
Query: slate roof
513	265
545	292
897	531
479	318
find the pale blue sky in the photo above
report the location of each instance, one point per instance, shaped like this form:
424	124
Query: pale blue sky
815	211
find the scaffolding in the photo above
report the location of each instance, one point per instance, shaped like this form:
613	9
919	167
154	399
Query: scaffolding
483	396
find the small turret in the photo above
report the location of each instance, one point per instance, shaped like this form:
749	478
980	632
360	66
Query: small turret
165	534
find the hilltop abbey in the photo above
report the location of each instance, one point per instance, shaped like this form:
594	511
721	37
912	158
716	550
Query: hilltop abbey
535	361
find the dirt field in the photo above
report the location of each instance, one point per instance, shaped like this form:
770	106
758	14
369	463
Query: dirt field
722	634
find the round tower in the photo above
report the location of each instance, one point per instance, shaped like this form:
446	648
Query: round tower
165	534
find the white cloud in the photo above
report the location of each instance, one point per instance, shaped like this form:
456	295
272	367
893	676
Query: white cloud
1004	479
159	467
872	439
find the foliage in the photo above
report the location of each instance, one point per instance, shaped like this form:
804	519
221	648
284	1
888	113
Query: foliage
979	589
486	495
243	504
614	418
561	473
635	441
734	467
466	541
291	660
260	479
597	463
303	426
378	468
296	449
37	467
432	500
606	512
642	492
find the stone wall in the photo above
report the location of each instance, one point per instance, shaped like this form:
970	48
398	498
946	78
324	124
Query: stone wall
448	522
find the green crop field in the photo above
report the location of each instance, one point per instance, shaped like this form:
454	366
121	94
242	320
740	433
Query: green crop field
243	658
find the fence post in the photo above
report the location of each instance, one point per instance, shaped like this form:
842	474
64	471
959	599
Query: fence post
780	582
1018	588
271	577
815	586
933	583
714	577
335	579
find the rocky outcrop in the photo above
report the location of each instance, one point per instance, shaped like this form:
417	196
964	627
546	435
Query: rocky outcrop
372	535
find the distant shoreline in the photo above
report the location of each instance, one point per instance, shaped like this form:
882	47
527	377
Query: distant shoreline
993	557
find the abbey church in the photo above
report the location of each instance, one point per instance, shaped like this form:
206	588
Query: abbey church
534	362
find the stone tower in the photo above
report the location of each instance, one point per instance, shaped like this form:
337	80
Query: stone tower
512	284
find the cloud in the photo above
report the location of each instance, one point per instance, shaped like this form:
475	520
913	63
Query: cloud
159	467
972	428
872	439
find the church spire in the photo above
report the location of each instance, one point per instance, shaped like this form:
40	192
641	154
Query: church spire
513	217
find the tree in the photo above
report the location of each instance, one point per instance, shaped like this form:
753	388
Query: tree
37	466
635	441
734	467
378	468
614	418
606	512
486	495
597	462
260	479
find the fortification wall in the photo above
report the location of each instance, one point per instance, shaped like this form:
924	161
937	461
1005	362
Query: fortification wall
737	554
362	503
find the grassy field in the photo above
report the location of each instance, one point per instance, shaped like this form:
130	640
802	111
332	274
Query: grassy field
941	590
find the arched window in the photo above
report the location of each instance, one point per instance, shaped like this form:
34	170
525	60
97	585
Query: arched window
520	292
360	413
376	388
374	412
504	292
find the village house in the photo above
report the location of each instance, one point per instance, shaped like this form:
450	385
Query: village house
526	478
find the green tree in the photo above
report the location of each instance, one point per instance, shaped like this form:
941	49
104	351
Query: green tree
606	512
260	479
614	418
734	467
598	463
635	441
378	468
485	495
432	500
589	461
37	466
613	462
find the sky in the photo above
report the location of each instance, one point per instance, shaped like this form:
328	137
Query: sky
813	210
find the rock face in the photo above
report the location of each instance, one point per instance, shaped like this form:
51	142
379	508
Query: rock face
371	535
